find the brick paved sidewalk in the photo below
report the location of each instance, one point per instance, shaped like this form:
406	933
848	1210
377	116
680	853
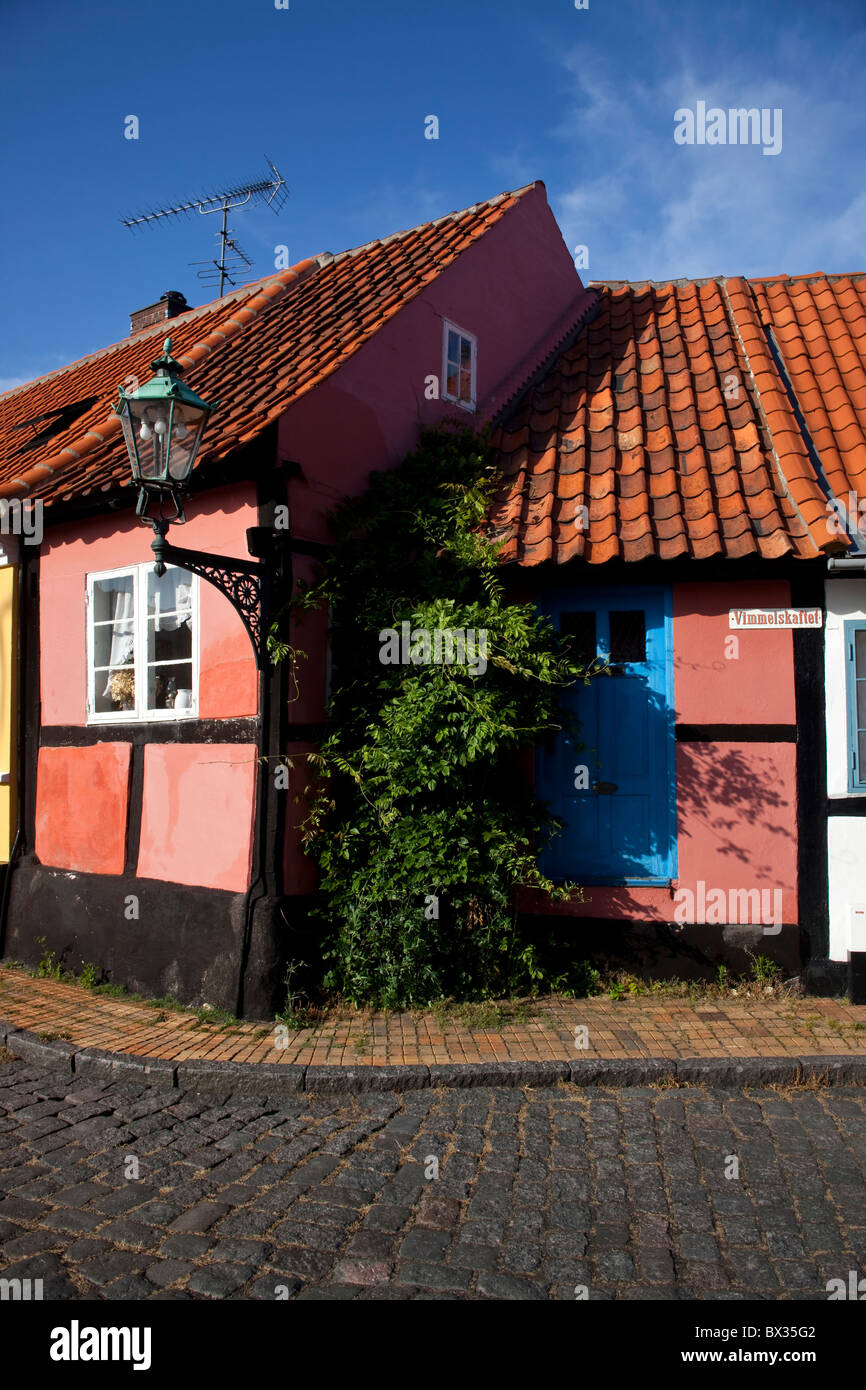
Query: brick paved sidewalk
631	1028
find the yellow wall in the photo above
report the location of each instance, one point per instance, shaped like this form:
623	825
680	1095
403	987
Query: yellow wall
8	706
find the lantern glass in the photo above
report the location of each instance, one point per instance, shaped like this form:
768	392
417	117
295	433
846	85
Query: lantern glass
186	431
163	424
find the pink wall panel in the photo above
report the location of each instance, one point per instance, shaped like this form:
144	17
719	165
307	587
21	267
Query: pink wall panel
197	816
755	687
81	807
217	522
737	814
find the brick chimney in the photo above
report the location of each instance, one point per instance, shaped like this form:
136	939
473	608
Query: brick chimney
168	306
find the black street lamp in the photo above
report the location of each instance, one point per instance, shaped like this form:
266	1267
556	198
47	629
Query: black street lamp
163	424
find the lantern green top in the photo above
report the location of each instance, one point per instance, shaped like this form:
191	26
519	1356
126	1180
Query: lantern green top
166	384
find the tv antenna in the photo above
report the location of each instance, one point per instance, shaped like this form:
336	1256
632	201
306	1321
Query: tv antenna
270	191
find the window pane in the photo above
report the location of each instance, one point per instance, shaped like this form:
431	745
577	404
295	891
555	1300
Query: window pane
169	640
579	628
170	594
860	651
453	346
466	386
628	635
465	353
114	644
861	757
452	385
169	659
861	704
170	686
107	594
114	690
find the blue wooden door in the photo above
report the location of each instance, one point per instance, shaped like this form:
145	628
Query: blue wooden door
616	792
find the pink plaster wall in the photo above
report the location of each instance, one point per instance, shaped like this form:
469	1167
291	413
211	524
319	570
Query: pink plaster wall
736	829
737	817
217	522
736	802
756	687
81	807
197	814
516	290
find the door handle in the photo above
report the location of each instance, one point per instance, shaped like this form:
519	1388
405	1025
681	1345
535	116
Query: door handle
605	788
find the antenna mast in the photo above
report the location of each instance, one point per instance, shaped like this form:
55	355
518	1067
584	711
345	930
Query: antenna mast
271	191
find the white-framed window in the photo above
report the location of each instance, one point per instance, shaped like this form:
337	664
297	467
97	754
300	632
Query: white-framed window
459	358
142	645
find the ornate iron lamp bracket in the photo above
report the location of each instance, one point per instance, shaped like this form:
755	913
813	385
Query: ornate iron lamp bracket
243	582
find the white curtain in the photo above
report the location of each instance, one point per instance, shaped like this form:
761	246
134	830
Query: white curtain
122	634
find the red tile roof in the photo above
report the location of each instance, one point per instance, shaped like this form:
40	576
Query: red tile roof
666	429
819	324
256	350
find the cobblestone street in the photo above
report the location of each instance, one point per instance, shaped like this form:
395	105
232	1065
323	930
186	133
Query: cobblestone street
538	1192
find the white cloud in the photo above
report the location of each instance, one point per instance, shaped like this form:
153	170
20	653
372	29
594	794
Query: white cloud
648	208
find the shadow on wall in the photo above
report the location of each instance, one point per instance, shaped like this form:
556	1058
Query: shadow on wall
654	949
727	791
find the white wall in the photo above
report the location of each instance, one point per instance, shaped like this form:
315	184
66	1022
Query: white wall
846	854
846	835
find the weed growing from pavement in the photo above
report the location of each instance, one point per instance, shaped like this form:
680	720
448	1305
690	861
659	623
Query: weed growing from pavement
49	967
165	1003
209	1015
486	1016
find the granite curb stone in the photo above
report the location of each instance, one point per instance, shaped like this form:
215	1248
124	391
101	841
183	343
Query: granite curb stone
248	1078
333	1079
56	1054
267	1078
115	1066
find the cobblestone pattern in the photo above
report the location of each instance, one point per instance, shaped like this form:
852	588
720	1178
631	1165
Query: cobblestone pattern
539	1192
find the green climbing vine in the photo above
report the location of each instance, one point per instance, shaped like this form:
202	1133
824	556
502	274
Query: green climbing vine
419	815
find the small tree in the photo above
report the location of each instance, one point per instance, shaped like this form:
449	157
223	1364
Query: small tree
419	819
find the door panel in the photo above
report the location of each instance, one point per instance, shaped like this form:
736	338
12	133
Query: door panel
621	828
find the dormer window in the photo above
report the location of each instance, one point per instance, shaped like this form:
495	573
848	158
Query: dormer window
460	352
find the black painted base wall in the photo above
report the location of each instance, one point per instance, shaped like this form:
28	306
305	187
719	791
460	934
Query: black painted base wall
656	950
187	942
827	978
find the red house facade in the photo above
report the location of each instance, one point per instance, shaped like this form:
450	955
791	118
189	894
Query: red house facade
658	473
674	495
155	838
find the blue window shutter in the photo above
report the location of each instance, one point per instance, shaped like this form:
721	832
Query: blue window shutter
855	678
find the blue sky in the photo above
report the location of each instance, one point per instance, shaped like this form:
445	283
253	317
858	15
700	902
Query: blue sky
336	92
